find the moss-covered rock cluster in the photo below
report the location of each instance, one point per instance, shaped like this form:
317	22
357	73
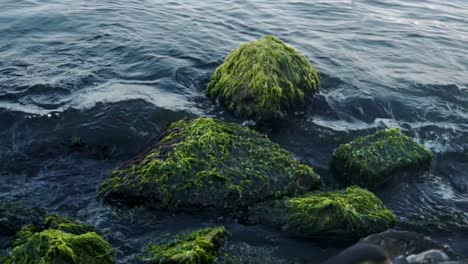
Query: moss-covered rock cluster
199	247
59	240
262	79
352	214
206	163
371	160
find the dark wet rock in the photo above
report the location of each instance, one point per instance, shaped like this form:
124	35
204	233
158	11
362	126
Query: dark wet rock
59	240
264	78
440	219
405	243
352	213
359	254
14	216
206	163
199	247
372	160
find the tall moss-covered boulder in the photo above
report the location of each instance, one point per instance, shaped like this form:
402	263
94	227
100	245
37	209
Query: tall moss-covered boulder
262	79
372	160
59	240
351	214
206	163
199	247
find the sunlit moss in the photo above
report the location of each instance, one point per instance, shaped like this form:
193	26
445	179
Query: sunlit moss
66	225
54	243
262	79
55	246
209	163
199	247
371	160
352	213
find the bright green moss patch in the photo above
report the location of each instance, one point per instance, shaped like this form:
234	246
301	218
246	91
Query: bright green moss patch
59	240
199	247
371	160
264	78
206	163
55	246
352	213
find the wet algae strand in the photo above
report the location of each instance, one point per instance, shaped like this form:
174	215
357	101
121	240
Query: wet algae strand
207	163
198	247
263	79
372	160
350	214
59	240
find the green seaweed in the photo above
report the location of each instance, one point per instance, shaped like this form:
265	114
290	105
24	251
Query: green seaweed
55	246
206	163
67	225
59	240
352	214
263	78
371	160
199	247
76	143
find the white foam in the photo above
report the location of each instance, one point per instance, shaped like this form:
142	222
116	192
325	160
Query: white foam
342	125
113	92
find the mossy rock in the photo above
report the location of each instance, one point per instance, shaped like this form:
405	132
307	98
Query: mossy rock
263	79
348	214
66	225
206	163
199	247
59	240
372	160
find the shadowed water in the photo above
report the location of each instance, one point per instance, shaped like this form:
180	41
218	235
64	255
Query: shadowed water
115	73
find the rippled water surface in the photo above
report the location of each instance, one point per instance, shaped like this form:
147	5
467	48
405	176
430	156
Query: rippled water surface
115	73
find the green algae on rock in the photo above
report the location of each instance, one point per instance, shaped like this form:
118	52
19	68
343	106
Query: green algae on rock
207	163
66	225
264	78
351	214
54	243
371	160
199	247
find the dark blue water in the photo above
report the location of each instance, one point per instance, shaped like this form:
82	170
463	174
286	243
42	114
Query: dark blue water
114	73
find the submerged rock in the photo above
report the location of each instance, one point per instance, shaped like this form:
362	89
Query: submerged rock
206	163
199	247
352	213
241	252
59	241
404	243
361	253
371	160
262	79
14	216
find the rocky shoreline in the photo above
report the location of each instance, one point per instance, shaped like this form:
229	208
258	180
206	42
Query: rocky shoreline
208	164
